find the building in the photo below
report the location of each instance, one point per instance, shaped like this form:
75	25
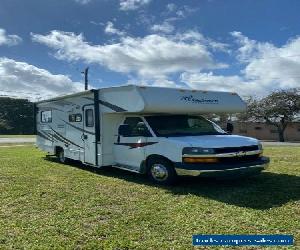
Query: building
263	131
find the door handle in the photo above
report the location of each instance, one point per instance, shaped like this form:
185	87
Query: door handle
84	137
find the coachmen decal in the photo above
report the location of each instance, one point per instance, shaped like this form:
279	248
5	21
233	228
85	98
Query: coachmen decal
192	99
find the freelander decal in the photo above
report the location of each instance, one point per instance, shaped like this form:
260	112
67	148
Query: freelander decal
80	129
45	136
59	137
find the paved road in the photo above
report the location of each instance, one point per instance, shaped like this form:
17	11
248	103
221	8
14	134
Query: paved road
16	140
277	143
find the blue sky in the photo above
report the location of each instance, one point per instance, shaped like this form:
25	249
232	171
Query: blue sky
251	47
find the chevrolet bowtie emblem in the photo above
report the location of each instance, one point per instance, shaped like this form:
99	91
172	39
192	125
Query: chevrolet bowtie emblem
240	153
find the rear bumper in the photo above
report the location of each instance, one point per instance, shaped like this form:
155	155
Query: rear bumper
222	170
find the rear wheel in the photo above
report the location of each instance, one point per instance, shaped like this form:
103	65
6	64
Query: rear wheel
61	156
161	171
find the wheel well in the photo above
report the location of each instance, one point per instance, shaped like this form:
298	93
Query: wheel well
154	156
57	149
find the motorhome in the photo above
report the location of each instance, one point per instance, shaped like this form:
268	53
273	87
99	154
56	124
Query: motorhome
149	130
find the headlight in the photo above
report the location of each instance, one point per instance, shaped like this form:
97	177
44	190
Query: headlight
197	151
260	147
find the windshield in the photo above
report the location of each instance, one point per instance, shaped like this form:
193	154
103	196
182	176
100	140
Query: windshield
182	125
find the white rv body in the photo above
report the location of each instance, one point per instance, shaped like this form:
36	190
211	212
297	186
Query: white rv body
85	126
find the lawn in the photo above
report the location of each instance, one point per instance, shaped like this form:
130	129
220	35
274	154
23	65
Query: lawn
46	205
17	136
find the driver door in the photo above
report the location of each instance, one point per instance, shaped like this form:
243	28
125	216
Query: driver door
129	150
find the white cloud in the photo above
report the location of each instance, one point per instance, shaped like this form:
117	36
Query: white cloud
192	36
175	13
24	80
9	40
209	81
151	59
266	68
97	23
126	5
247	47
163	82
151	56
165	27
160	81
110	29
270	65
171	7
185	11
83	2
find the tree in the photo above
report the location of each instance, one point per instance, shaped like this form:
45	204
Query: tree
16	116
277	109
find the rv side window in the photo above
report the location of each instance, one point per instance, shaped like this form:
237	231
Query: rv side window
89	118
78	118
137	127
75	118
46	116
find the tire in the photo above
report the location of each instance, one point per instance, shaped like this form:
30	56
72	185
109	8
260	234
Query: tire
61	156
161	171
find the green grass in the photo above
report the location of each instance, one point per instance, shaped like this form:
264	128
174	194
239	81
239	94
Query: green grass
14	144
49	205
17	136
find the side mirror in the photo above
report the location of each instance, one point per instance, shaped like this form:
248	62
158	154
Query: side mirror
124	130
229	127
143	130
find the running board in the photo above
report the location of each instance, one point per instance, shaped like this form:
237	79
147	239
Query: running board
126	168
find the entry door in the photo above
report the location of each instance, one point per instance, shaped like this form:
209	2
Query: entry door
88	135
129	151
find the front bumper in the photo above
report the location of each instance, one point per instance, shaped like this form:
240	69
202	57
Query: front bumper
222	170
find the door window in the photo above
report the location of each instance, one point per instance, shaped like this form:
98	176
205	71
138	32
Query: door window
137	127
89	118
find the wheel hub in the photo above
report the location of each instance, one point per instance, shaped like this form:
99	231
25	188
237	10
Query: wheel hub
159	172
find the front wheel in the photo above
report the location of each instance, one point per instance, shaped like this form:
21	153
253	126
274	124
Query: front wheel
161	171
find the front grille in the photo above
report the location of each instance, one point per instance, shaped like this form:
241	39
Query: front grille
235	149
245	158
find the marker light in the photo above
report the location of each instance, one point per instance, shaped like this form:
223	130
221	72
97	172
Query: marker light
200	160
